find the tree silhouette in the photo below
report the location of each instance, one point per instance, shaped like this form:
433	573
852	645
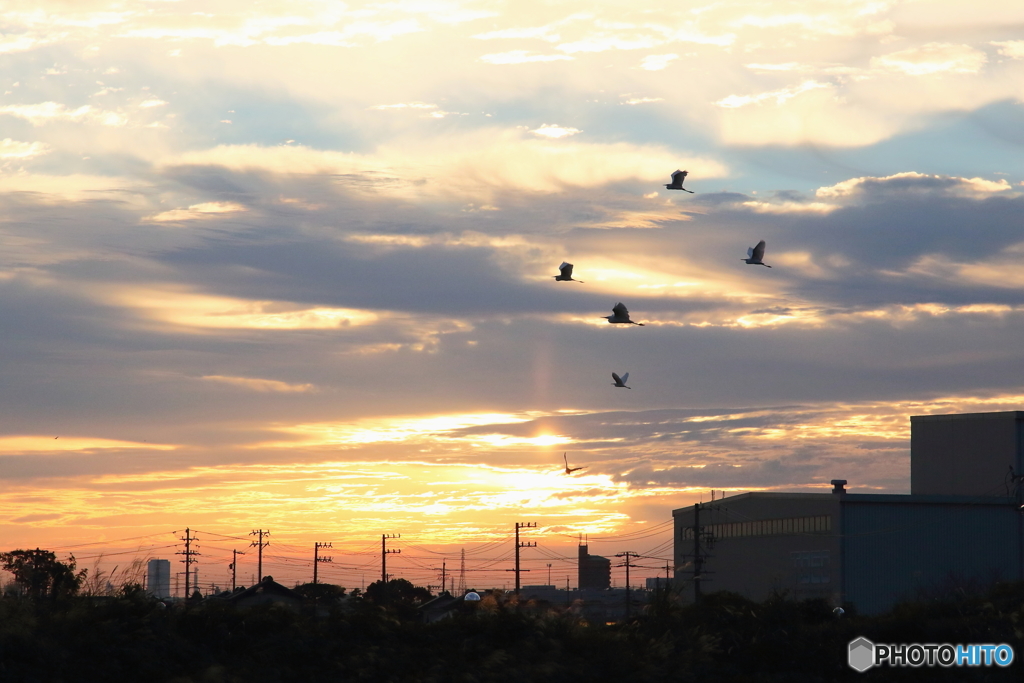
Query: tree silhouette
320	592
41	574
397	595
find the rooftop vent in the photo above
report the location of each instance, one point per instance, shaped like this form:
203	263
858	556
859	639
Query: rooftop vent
838	486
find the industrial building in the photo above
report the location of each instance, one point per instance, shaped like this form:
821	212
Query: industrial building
959	529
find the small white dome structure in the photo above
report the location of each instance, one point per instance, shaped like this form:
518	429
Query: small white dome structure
471	596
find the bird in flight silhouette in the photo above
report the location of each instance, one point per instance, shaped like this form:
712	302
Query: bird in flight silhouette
677	182
565	273
570	470
755	254
620	315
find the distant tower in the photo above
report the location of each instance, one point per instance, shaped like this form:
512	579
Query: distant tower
462	574
158	579
595	572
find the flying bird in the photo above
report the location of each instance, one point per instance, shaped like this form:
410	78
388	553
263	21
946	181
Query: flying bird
620	315
755	254
621	381
570	470
565	273
677	182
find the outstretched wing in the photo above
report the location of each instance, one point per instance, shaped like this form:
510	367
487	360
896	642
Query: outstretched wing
565	269
618	380
678	177
758	252
625	378
620	310
750	252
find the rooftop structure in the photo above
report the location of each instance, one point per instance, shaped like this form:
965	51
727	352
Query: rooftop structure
965	455
961	527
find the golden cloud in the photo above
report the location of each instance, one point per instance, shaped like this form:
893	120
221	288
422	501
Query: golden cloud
474	166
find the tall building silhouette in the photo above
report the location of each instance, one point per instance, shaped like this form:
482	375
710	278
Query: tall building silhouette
595	572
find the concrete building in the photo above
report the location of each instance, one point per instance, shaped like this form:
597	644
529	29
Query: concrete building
595	572
965	455
158	578
960	528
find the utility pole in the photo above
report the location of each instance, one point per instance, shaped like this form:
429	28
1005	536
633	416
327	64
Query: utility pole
317	559
261	544
549	574
189	555
443	567
384	552
699	555
462	573
522	525
234	567
627	565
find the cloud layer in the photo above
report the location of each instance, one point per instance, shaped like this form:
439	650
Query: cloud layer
270	262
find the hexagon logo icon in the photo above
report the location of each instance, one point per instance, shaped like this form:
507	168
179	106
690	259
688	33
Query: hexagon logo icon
861	654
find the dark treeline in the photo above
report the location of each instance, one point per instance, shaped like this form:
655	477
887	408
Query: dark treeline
726	638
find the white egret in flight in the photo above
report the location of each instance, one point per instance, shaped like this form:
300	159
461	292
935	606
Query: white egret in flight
677	182
620	316
620	382
755	254
565	273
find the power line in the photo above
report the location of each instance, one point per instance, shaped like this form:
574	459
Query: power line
113	540
210	533
126	552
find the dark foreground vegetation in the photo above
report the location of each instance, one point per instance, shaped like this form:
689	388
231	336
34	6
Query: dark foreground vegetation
132	637
55	627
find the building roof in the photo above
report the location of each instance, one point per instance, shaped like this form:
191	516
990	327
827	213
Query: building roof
442	601
266	587
765	494
1008	414
893	498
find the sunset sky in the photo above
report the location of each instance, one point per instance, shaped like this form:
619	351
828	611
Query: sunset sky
289	265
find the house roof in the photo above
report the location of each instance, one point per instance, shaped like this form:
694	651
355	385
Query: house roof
443	601
266	586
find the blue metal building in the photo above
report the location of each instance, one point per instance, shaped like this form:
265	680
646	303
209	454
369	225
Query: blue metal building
925	547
